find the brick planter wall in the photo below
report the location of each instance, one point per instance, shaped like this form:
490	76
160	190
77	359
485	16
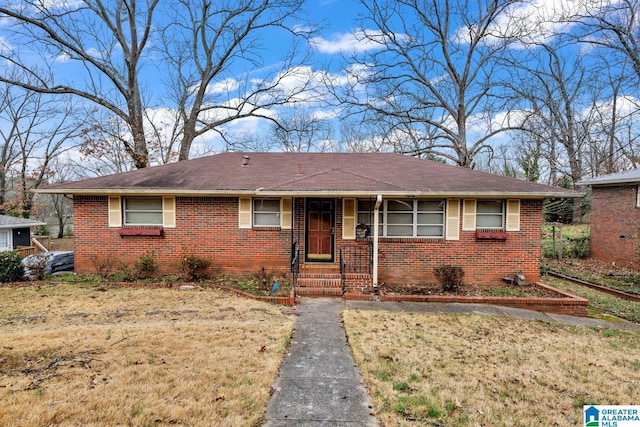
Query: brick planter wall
566	303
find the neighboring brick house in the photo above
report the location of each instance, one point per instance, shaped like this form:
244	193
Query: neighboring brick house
615	218
388	218
15	232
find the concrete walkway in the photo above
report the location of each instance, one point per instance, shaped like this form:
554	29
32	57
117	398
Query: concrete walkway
434	307
319	384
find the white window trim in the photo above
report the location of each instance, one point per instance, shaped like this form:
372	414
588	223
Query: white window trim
503	214
254	211
116	212
125	210
414	212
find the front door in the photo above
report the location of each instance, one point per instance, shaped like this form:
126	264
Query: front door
320	213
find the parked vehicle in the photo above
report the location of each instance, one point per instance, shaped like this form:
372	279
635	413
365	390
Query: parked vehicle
53	262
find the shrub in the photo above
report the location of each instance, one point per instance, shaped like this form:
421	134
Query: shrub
104	266
11	268
579	247
450	277
37	263
146	266
264	278
124	273
194	267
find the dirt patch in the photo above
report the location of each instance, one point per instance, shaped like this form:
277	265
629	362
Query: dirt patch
592	266
470	290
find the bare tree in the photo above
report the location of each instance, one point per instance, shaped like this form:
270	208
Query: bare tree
61	206
205	46
204	60
552	83
299	130
615	133
40	128
12	106
109	41
433	73
614	27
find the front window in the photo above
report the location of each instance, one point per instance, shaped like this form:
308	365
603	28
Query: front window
143	210
4	240
490	214
266	212
405	217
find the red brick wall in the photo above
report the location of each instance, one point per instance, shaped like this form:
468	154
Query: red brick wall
208	227
615	222
483	261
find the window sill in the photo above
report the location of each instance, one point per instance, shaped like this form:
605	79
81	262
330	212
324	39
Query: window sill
491	235
141	232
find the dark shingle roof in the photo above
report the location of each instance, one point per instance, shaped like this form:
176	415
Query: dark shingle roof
310	174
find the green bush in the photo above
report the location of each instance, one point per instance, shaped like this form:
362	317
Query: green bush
578	247
450	277
11	268
146	266
194	267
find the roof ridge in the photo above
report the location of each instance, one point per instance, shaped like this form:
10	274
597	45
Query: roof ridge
324	171
372	179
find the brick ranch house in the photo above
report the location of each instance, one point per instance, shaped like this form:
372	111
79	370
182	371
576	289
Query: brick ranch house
615	218
334	220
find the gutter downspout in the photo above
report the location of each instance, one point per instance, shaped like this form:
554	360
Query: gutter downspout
376	226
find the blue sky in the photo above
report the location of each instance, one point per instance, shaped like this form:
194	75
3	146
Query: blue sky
336	39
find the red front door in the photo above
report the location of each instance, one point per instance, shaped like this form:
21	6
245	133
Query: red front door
320	213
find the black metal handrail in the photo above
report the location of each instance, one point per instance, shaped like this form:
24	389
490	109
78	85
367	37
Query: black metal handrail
342	269
356	259
295	263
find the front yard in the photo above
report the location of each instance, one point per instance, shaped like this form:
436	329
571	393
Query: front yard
80	354
473	370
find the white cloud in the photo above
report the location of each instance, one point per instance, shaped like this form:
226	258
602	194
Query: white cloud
538	21
62	58
61	4
360	40
225	86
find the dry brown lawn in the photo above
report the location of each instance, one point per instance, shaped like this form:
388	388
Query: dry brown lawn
84	355
474	370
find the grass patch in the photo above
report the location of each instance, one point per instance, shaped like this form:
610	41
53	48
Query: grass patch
599	273
88	355
600	303
471	370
